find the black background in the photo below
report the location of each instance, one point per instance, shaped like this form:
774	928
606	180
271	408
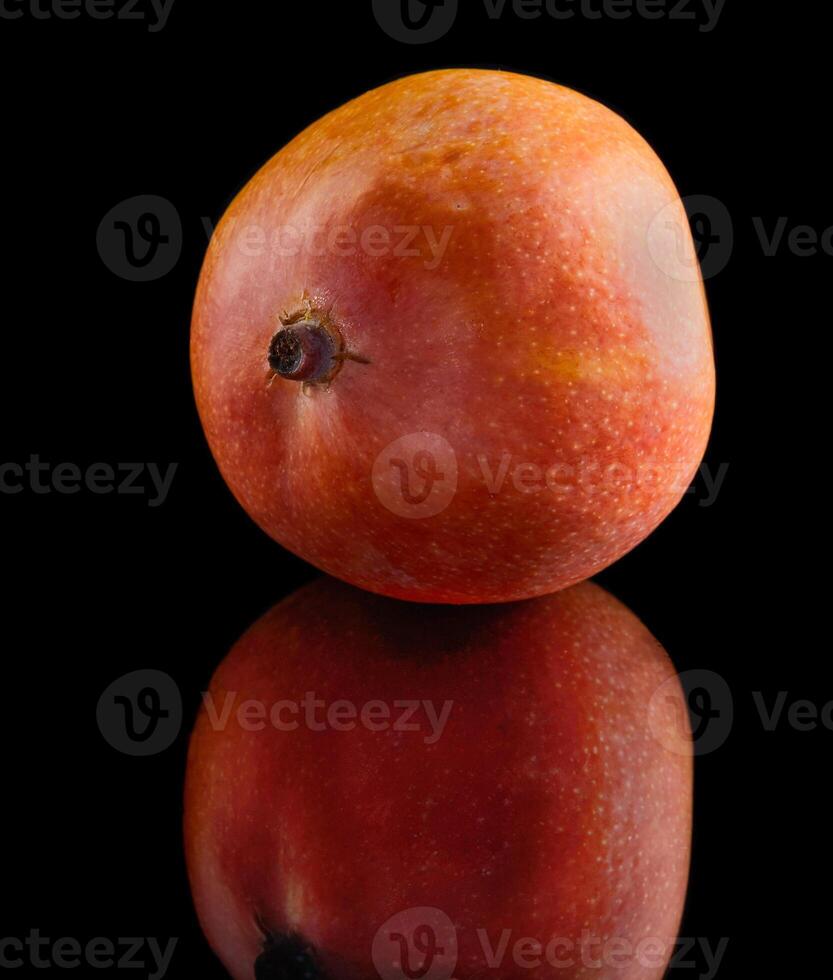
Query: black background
96	370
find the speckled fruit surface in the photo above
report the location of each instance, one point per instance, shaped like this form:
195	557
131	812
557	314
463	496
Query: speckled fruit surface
540	790
523	380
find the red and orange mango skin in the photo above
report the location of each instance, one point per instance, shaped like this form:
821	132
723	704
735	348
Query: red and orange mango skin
554	803
549	335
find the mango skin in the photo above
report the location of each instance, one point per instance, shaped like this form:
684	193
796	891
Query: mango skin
514	262
554	802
